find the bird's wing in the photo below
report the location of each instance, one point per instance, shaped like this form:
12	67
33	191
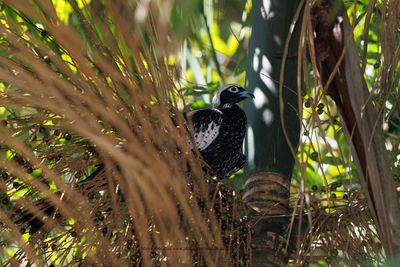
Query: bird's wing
206	126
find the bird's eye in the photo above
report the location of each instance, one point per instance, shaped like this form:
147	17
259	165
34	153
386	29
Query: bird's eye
233	89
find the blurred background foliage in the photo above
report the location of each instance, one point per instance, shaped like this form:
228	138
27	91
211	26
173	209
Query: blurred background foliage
213	38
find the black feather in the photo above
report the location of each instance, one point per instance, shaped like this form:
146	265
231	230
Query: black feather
224	154
224	129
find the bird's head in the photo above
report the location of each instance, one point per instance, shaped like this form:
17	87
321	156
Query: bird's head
230	94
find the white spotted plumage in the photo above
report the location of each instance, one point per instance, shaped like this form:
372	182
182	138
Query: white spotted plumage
205	137
205	134
218	132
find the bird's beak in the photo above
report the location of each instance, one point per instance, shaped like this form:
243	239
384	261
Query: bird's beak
246	94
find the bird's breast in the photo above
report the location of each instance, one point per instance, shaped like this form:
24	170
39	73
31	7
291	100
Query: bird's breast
232	130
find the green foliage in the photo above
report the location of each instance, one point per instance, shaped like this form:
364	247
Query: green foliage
325	165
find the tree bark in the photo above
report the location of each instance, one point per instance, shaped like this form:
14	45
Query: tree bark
273	126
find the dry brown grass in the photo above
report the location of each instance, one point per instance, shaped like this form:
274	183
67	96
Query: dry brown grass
71	101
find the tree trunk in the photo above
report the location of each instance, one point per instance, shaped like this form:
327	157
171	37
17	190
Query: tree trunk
273	120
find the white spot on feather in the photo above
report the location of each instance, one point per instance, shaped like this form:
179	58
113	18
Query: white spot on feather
207	136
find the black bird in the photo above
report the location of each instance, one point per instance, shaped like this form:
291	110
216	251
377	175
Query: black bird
219	132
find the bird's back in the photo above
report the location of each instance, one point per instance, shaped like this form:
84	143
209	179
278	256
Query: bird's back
224	155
